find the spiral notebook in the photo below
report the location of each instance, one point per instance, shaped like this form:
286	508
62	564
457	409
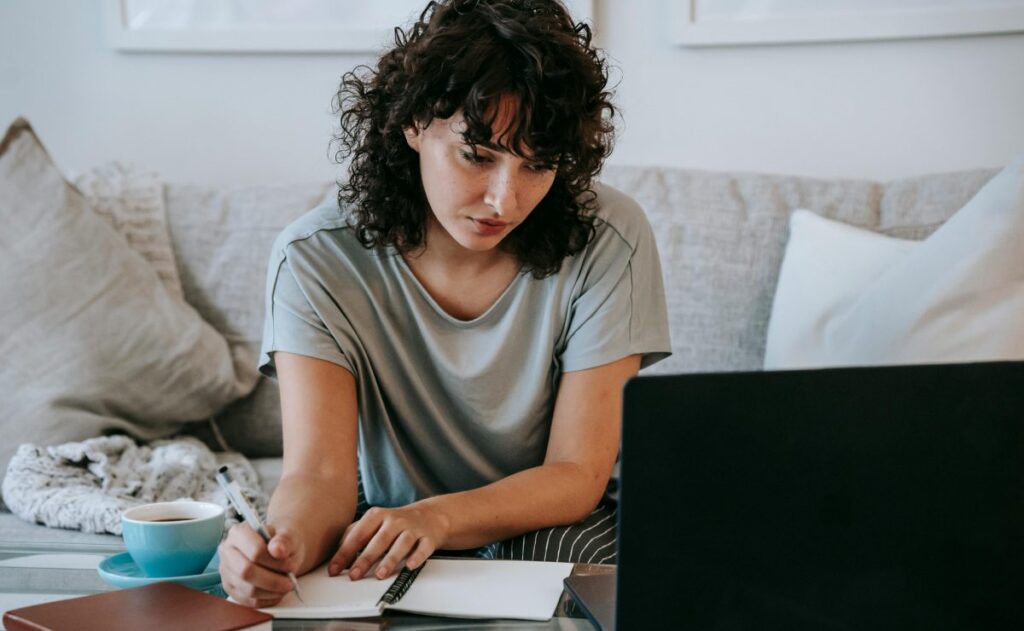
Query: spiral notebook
457	588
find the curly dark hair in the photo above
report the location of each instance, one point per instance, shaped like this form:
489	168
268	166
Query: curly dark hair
465	55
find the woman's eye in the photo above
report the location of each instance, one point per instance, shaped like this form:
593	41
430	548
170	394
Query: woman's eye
473	157
542	168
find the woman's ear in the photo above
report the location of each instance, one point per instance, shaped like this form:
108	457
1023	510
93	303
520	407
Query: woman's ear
412	137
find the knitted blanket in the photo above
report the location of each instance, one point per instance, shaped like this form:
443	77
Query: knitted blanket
87	485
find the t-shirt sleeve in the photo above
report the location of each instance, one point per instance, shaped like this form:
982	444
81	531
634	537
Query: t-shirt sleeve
293	324
620	309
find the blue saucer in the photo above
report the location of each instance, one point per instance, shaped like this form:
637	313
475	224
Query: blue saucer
120	571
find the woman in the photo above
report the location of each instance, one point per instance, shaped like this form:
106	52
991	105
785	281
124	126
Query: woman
451	339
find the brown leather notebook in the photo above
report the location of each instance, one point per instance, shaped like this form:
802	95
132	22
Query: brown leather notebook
158	606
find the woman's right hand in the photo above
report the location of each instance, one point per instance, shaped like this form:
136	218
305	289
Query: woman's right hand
255	573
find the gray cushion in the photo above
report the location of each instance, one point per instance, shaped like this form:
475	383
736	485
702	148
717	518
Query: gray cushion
92	340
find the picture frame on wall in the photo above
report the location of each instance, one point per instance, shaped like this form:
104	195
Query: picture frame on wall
752	22
256	26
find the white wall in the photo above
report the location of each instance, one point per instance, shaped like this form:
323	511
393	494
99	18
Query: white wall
876	110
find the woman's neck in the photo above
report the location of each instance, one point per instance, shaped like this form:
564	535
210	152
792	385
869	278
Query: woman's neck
465	284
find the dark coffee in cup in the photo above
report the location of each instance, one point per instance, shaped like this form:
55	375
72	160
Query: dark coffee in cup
172	538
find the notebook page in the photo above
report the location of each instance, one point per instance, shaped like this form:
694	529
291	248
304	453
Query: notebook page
332	597
473	588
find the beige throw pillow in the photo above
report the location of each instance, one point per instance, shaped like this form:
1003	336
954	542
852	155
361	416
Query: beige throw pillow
848	297
91	340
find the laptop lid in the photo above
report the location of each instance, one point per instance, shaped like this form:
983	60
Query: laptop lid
836	499
594	594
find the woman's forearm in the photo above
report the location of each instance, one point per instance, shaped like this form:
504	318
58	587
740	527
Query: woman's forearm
313	510
541	497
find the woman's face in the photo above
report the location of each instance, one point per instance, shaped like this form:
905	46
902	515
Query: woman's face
477	196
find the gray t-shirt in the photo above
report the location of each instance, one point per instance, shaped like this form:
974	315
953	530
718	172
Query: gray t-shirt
447	405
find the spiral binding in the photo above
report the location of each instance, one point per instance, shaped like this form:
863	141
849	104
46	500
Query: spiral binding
401	585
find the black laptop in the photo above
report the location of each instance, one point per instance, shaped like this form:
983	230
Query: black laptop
859	498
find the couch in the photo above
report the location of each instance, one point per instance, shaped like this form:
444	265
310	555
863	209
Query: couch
721	238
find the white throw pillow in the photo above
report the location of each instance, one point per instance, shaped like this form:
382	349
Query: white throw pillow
848	297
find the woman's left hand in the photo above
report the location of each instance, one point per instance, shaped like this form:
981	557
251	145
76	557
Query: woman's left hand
392	535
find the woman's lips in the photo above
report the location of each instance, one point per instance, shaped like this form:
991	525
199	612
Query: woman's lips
488	227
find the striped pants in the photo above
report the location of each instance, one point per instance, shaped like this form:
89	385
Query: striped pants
593	540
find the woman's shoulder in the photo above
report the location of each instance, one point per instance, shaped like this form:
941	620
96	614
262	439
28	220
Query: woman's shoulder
325	223
618	215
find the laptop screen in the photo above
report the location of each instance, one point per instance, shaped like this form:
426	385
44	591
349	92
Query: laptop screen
834	499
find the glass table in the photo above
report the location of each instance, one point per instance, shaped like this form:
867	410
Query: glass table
46	572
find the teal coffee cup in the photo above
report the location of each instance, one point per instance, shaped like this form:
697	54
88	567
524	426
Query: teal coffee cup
172	538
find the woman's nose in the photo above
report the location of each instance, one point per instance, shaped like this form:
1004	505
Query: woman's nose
501	192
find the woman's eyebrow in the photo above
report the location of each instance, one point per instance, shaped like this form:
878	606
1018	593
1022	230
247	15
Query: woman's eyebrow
501	149
493	147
